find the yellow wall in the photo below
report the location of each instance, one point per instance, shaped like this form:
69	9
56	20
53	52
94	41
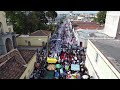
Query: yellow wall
29	69
33	39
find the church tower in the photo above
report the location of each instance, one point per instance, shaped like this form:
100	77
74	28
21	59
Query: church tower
7	36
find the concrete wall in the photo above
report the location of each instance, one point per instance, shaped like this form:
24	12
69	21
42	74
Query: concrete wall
111	23
91	69
29	69
101	65
2	42
3	21
35	40
10	28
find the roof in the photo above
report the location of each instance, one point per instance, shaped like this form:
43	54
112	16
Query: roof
87	34
12	65
27	54
12	69
86	25
41	33
110	48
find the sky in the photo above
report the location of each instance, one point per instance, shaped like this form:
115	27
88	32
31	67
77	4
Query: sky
65	12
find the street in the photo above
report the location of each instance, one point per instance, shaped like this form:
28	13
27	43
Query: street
70	57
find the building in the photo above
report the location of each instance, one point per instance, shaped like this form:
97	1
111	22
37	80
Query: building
14	63
7	36
82	36
17	64
35	40
102	58
87	30
112	24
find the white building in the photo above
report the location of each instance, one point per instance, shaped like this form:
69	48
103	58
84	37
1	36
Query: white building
102	58
112	24
82	36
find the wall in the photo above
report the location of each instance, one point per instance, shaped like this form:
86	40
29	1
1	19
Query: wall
23	41
91	69
100	64
29	69
10	28
3	21
2	43
111	23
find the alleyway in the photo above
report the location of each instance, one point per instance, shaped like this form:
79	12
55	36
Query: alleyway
70	57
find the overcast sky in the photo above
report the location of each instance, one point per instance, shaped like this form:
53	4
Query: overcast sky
65	12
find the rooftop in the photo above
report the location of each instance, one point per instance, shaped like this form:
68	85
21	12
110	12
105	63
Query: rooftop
41	33
87	34
12	69
110	48
86	25
27	54
12	65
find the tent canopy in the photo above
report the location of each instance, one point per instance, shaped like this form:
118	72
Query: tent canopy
51	60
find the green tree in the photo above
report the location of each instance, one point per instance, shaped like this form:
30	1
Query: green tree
25	22
101	15
51	15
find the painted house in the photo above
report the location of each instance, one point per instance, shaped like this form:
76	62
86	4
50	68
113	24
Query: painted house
38	38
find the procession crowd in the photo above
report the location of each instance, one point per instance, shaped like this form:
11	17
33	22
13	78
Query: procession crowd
70	57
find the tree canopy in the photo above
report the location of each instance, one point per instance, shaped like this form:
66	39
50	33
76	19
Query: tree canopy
101	15
25	22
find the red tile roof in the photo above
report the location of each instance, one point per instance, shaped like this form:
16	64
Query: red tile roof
41	33
12	69
12	65
27	54
86	25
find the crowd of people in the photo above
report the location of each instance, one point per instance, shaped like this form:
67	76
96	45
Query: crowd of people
70	57
64	48
40	64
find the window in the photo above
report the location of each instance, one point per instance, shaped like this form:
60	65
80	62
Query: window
96	59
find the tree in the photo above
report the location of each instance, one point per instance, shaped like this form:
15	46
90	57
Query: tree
25	22
101	15
51	15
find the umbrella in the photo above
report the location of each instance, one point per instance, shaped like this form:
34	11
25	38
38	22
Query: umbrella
58	66
85	76
51	67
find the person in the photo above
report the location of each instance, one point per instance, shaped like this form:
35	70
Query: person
61	73
56	74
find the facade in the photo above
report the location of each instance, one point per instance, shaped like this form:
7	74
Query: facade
102	58
37	38
31	40
112	24
7	36
87	30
